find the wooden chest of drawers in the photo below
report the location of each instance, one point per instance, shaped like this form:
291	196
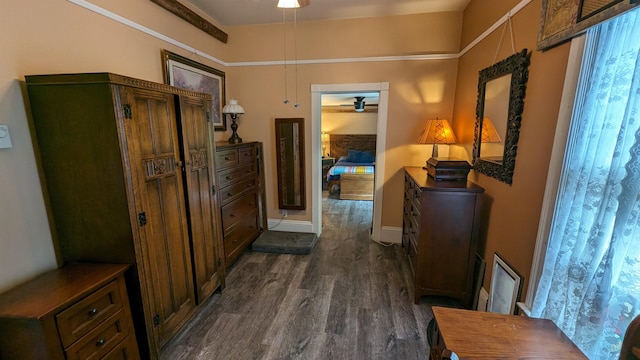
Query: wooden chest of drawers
440	232
80	311
241	192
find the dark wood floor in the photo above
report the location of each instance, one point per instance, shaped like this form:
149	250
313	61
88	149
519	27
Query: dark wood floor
349	299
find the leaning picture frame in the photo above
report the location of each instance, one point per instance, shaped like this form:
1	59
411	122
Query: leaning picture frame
506	287
191	75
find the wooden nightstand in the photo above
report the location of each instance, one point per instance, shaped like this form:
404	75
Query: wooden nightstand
80	311
327	163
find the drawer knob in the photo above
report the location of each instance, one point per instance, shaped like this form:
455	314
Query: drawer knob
93	311
232	215
100	342
229	194
229	177
227	158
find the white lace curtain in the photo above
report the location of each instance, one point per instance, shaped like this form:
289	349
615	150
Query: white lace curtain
590	283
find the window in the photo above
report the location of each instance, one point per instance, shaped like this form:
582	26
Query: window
589	283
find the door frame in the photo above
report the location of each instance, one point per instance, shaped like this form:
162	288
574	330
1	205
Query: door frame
316	148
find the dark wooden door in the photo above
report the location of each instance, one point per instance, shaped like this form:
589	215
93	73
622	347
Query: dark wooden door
204	220
155	166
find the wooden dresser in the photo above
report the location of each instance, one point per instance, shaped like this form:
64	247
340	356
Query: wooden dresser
440	230
80	311
241	193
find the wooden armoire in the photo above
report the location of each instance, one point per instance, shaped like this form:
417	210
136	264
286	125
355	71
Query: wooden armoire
128	175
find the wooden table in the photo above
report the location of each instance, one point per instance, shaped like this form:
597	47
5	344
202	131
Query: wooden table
482	335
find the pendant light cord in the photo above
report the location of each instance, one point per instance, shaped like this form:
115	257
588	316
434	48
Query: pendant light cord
284	43
295	51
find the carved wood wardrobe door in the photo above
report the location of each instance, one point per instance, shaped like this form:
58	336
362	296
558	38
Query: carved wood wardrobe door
155	161
204	215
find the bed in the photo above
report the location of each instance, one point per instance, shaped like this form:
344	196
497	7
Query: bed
354	172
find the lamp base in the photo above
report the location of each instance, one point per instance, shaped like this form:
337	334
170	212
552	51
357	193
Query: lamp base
448	169
234	139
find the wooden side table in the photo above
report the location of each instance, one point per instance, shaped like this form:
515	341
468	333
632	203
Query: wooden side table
482	335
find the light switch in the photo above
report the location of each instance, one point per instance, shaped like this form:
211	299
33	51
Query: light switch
5	138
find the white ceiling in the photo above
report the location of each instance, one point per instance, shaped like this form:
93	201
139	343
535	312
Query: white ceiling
246	12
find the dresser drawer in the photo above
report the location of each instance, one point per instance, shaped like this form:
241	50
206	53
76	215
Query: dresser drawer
126	350
414	226
235	211
226	158
413	255
416	193
100	340
232	175
233	192
246	155
244	230
84	315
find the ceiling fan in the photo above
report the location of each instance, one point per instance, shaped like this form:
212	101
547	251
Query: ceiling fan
359	104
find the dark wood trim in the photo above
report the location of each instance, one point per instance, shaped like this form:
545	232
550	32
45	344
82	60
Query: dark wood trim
192	18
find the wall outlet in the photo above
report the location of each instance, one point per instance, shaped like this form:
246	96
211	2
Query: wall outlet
284	213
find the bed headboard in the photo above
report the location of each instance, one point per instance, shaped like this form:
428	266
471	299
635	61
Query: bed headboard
341	144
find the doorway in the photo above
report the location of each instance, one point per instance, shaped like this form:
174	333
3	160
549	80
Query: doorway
316	148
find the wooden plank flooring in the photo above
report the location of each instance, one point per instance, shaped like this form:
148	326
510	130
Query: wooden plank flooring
351	298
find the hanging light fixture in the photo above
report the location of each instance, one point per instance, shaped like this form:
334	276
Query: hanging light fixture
291	4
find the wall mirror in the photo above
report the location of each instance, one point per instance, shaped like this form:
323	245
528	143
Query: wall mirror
501	90
290	162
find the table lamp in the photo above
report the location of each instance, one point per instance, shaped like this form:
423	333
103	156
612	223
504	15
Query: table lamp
234	110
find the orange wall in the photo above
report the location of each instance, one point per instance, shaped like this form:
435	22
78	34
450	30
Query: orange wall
514	210
418	90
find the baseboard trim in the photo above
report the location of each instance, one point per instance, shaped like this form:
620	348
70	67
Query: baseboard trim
290	225
390	235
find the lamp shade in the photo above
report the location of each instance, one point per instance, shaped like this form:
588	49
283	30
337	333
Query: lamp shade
233	108
489	132
288	4
437	131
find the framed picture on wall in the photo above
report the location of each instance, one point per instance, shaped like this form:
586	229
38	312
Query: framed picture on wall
191	75
506	286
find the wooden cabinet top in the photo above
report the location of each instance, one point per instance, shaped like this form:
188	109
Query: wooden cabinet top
225	144
51	291
106	78
427	183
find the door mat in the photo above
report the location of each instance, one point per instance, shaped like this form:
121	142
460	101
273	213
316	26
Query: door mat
282	242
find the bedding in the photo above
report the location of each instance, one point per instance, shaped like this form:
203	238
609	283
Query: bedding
353	175
342	166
